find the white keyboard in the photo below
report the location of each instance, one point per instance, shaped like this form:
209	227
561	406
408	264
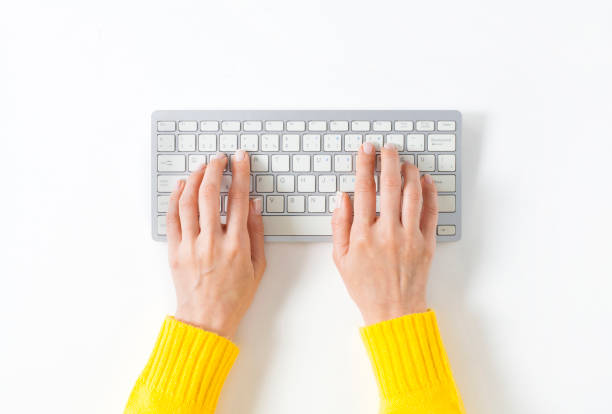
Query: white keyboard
299	159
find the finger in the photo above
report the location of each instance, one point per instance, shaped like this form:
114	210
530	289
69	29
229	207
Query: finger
256	235
429	215
238	198
188	204
342	219
209	194
365	189
390	185
173	221
412	198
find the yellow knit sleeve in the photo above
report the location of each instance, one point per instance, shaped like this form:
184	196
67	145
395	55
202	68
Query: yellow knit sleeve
411	366
185	372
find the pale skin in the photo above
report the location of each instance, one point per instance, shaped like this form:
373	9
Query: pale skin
384	261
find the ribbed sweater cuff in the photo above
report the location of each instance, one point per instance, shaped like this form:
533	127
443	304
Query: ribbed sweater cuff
188	366
407	356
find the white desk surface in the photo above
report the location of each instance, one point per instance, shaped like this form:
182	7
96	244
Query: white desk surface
523	300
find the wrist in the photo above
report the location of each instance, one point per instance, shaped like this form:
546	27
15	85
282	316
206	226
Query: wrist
376	314
207	321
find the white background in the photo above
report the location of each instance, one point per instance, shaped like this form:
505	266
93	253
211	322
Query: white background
522	300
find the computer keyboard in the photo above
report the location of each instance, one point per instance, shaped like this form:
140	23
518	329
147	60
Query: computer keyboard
301	158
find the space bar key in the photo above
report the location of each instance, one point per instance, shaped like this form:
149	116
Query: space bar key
297	225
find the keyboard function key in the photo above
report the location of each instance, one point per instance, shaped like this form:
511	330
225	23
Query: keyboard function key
446	125
361	126
317	126
232	126
166	126
209	126
338	126
404	125
444	183
441	142
167	183
165	143
425	125
188	126
274	125
251	126
296	126
446	230
171	163
383	126
446	203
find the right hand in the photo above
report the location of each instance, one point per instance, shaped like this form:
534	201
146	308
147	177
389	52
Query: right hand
384	261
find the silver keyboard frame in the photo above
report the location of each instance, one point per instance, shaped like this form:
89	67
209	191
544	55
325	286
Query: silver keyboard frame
315	115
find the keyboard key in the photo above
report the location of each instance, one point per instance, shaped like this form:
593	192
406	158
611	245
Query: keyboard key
332	142
446	230
446	203
444	183
188	126
316	204
274	125
230	125
446	125
415	142
295	204
196	161
209	126
274	204
360	125
404	125
226	183
296	126
249	142
426	162
161	225
228	142
259	163
167	183
343	162
280	163
317	126
301	163
166	126
446	162
187	142
306	183
327	183
409	158
321	163
250	126
381	126
297	225
207	143
311	142
331	203
264	183
376	140
162	203
397	140
347	183
441	142
425	125
291	142
165	143
352	142
285	183
171	163
269	142
338	126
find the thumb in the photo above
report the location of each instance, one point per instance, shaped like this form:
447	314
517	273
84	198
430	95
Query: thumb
342	220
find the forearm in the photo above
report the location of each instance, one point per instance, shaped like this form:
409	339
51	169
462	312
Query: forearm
185	372
411	366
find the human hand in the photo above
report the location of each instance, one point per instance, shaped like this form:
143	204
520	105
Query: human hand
384	261
215	268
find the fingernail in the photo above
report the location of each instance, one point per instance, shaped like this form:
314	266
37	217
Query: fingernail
239	156
390	146
428	179
257	205
339	199
368	148
219	156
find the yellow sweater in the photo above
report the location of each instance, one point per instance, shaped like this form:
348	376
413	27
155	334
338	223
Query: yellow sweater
188	367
